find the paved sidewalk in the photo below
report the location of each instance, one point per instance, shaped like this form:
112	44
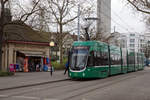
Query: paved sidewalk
22	79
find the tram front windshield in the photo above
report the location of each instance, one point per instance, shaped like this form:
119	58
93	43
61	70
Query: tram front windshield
79	57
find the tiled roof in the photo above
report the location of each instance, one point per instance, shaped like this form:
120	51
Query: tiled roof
19	31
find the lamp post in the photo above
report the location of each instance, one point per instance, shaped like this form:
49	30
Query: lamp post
51	44
79	21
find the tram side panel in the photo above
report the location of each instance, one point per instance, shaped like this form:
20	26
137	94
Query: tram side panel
136	62
100	62
115	60
131	61
141	61
124	59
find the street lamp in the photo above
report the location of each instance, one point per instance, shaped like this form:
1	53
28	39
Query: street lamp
51	44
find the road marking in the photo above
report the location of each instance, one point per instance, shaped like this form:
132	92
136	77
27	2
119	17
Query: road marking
3	96
27	97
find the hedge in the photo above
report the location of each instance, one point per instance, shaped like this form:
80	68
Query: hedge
58	66
3	73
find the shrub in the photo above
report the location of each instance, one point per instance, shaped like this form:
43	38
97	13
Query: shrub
3	73
58	66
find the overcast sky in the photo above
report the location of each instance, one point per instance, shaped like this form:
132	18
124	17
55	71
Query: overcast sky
125	18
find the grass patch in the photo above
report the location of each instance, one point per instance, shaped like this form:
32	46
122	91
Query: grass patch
3	73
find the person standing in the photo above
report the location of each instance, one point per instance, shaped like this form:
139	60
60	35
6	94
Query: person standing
66	67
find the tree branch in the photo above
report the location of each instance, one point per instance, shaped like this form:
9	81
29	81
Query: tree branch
30	13
53	12
5	1
69	20
137	8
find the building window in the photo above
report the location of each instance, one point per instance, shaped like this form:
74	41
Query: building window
132	50
141	40
131	45
142	45
132	40
139	50
122	46
132	34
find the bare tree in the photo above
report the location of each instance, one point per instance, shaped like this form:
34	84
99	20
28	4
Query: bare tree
26	13
141	5
3	2
63	12
144	7
88	26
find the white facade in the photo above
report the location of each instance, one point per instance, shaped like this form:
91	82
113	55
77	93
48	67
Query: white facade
104	17
133	42
147	36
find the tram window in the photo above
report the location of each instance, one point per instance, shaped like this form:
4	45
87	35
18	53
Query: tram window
98	58
91	59
101	58
115	59
131	59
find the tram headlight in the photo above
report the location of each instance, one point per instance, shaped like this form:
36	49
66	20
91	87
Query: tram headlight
70	74
83	74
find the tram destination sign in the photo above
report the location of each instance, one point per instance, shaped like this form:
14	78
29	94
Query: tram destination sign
80	47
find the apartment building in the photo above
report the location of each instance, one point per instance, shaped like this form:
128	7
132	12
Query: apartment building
133	42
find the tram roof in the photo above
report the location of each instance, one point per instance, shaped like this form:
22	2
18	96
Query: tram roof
88	43
96	44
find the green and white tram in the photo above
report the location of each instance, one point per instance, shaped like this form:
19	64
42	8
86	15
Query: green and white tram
93	59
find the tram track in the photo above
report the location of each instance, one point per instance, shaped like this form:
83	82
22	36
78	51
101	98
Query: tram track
76	86
42	89
96	86
80	85
35	84
61	84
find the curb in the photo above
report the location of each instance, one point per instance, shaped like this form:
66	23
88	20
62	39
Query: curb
35	84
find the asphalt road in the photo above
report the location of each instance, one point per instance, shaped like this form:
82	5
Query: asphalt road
131	86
